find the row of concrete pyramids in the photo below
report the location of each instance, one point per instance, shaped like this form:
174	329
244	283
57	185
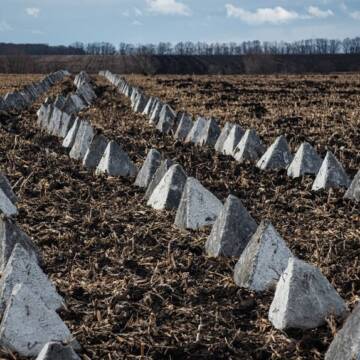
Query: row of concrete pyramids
28	300
243	145
304	298
81	139
19	100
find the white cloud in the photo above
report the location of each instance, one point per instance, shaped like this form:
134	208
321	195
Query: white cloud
4	26
33	11
168	7
315	12
355	15
277	15
137	23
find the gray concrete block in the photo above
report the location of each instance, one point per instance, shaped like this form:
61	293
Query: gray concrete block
353	192
306	161
223	136
209	134
66	123
346	343
277	156
166	119
183	128
167	193
154	118
159	174
95	151
233	139
83	139
198	206
116	162
5	186
304	298
69	140
231	231
57	351
250	147
140	103
196	131
10	235
22	269
263	260
331	174
28	324
6	206
147	171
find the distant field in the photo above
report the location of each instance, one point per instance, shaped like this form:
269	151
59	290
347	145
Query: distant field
201	65
13	82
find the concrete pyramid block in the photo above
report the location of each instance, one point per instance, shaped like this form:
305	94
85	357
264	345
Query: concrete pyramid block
116	162
198	206
167	193
54	121
42	114
10	235
210	133
83	139
149	106
159	174
6	205
250	147
306	161
231	231
5	186
223	136
277	156
196	131
95	151
140	103
67	122
166	119
21	268
86	92
233	139
78	101
28	324
346	343
57	351
59	102
263	260
353	192
331	174
184	127
154	118
81	78
304	298
71	135
147	171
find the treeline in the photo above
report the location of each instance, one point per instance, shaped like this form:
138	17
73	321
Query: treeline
38	49
303	47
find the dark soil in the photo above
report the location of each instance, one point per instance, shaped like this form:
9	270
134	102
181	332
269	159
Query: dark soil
137	287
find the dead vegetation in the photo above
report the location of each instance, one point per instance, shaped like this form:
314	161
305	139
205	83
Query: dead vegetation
137	287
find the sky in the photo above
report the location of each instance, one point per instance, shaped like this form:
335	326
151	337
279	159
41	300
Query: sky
151	21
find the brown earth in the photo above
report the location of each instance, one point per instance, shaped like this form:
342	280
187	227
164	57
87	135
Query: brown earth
15	82
137	287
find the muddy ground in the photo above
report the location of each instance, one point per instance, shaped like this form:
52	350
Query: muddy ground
137	287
